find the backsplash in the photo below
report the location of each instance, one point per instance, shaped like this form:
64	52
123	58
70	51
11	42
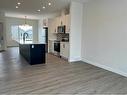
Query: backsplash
60	36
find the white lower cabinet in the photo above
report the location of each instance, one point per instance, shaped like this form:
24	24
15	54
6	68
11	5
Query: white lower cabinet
64	49
51	46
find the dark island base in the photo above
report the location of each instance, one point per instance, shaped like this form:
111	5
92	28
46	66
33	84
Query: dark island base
33	53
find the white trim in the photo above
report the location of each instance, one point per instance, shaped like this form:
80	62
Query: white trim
106	67
74	59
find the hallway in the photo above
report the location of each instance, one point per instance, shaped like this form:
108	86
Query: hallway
55	77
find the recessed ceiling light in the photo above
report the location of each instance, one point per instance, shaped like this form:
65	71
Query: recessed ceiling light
18	3
16	7
38	10
49	4
43	7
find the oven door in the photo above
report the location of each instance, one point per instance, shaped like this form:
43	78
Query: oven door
56	46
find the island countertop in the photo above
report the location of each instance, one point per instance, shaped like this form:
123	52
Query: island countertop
29	42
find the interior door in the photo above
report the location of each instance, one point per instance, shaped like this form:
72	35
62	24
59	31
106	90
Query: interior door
1	37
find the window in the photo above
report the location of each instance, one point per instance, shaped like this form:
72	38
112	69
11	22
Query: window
14	33
19	31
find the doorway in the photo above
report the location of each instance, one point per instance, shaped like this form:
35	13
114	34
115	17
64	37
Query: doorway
46	38
1	37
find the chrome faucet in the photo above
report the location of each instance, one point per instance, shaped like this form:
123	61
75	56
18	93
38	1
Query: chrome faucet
25	35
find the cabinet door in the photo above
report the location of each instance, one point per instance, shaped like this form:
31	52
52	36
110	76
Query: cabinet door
58	21
68	23
64	50
54	25
61	49
63	20
51	25
51	46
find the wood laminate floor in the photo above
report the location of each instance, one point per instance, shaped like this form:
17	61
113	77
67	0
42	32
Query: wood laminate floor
55	77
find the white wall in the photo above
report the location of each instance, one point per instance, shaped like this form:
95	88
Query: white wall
76	12
104	39
17	21
41	32
2	14
51	34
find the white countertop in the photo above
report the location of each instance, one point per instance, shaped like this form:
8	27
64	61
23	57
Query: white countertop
52	39
29	42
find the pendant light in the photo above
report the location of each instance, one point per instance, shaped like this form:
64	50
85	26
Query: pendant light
25	27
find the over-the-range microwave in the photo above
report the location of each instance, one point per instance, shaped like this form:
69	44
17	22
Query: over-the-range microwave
61	29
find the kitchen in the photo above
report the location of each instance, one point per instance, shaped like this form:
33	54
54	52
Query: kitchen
90	34
58	34
61	30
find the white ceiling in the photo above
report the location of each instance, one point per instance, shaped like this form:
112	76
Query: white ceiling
29	7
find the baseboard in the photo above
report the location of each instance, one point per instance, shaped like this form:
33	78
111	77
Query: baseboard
74	59
11	46
106	67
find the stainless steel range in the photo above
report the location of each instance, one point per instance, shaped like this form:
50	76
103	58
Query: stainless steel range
57	46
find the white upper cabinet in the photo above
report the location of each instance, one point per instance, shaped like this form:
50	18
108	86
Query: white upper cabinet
51	26
55	25
63	20
67	21
59	21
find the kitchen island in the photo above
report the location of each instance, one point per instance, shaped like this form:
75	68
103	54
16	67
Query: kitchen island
34	53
